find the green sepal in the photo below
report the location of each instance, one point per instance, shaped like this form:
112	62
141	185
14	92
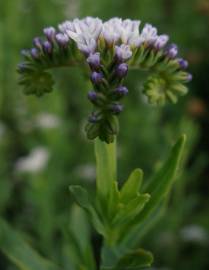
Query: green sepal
37	82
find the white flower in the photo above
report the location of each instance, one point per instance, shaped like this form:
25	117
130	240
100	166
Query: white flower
47	121
93	26
123	52
84	32
149	34
161	41
112	30
34	162
130	32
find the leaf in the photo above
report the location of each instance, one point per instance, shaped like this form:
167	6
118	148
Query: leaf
131	186
131	209
158	189
163	180
113	201
78	240
82	198
135	260
19	251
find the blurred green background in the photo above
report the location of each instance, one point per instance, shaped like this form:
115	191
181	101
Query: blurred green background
43	148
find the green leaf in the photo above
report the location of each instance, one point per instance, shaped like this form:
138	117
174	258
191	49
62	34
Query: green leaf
131	209
131	186
19	251
163	180
77	246
134	260
82	198
158	188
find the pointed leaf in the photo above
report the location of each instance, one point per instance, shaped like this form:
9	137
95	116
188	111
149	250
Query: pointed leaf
131	186
82	198
19	251
129	211
163	180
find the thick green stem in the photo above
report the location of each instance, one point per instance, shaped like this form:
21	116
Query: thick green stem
106	164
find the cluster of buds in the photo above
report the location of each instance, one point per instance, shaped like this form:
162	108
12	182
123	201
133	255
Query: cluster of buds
110	49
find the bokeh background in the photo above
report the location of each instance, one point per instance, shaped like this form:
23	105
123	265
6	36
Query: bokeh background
43	148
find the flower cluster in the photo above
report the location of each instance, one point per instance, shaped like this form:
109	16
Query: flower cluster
110	49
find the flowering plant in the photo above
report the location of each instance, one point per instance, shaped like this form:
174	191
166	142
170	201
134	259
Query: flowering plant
109	50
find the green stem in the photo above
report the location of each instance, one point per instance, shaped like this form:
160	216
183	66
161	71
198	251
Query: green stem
106	164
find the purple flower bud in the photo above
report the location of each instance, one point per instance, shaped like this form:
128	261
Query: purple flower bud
172	51
189	77
121	90
92	95
34	53
49	33
37	42
62	40
96	77
116	108
94	60
122	70
183	63
161	41
47	46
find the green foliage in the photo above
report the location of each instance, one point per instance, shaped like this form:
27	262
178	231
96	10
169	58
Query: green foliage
138	259
19	251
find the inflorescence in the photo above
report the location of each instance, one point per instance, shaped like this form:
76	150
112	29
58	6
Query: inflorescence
110	49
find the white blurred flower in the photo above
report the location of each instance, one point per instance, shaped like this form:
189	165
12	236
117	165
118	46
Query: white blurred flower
36	161
47	120
194	233
86	171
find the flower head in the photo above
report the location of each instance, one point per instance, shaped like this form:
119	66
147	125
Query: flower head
110	49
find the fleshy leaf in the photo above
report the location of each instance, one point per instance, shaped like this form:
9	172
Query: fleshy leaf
20	252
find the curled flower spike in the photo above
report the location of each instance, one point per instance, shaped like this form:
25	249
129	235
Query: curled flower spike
110	49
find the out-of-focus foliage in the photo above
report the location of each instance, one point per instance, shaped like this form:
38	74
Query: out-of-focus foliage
43	148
